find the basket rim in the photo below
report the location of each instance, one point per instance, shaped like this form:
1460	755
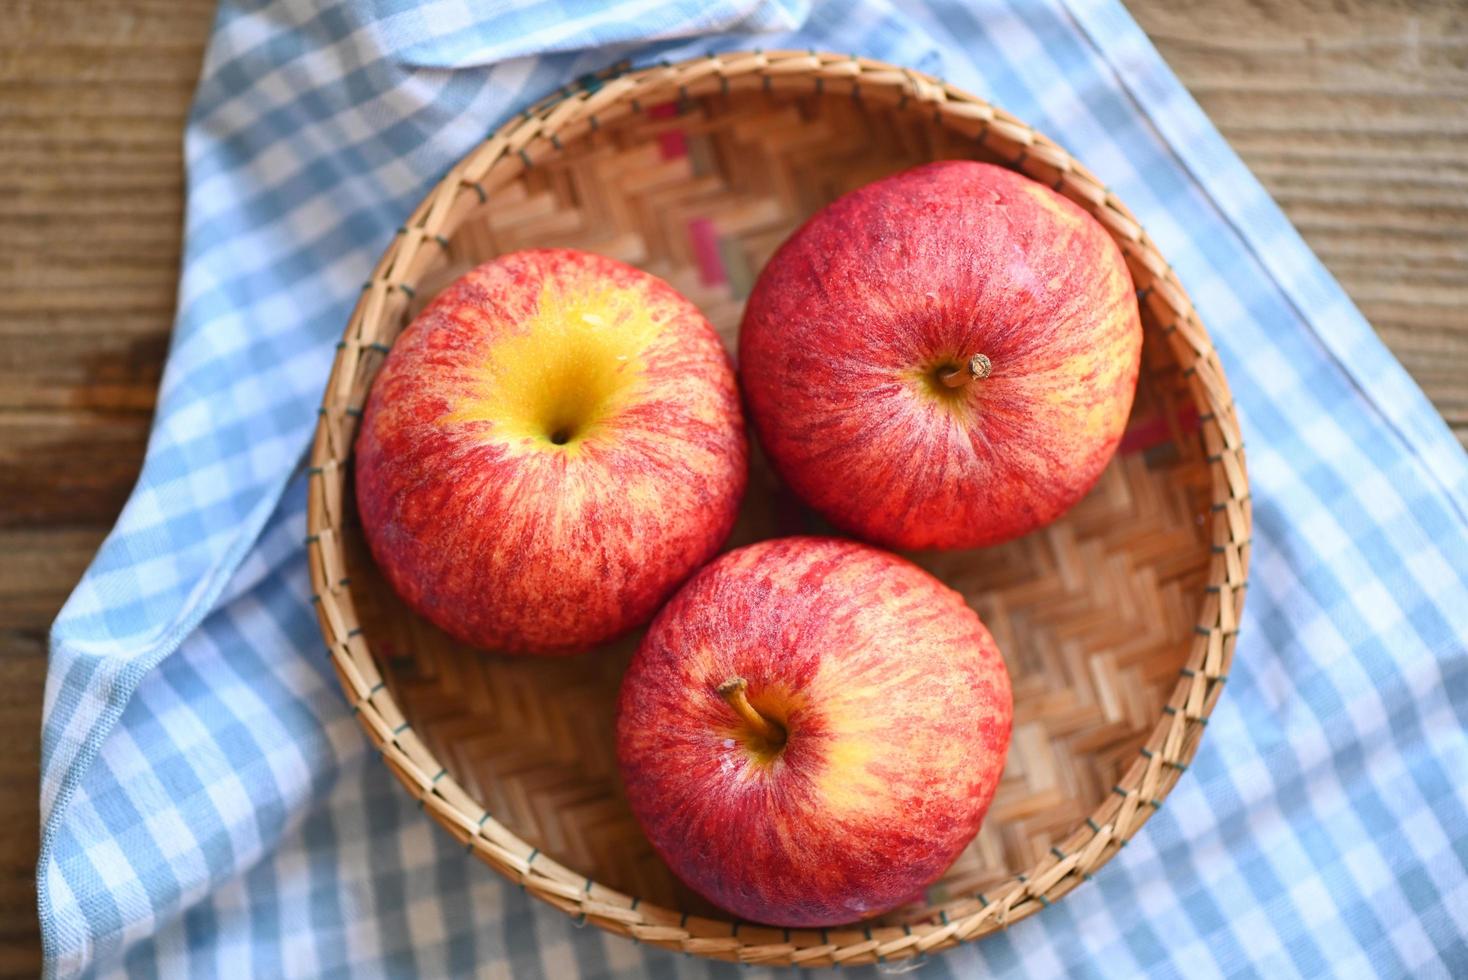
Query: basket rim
543	130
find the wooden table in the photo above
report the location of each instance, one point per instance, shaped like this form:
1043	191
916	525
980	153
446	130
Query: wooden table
1354	114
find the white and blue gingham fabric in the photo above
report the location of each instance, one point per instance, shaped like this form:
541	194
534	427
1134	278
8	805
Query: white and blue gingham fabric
209	806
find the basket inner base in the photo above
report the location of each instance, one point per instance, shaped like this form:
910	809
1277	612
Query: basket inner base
1094	613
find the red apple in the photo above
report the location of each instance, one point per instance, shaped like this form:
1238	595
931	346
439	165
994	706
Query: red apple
945	358
812	730
551	447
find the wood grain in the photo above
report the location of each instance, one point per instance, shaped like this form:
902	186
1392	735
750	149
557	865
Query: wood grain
92	104
1354	114
1355	117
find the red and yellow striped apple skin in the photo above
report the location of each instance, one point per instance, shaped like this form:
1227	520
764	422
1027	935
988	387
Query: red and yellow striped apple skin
849	322
498	534
897	706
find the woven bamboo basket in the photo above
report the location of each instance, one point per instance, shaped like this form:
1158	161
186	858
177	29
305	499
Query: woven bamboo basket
1118	621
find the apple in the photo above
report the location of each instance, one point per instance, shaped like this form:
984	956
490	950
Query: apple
944	358
811	731
551	447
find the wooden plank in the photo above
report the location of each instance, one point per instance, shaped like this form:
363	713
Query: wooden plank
92	103
65	468
1355	117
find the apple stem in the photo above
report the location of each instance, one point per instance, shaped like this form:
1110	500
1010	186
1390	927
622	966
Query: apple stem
734	691
979	367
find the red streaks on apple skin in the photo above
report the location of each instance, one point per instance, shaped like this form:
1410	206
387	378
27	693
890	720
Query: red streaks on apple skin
539	550
931	266
897	706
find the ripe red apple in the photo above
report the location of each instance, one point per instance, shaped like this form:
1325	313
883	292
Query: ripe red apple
812	730
945	358
551	447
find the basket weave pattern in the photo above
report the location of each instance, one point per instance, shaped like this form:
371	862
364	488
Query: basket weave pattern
1118	622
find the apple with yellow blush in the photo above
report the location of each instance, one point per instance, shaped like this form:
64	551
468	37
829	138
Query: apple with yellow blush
812	730
551	447
945	358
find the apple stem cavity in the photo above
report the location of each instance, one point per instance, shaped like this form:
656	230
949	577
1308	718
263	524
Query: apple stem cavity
979	368
734	691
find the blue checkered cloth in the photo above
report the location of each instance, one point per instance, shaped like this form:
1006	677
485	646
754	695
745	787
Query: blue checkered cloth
209	806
